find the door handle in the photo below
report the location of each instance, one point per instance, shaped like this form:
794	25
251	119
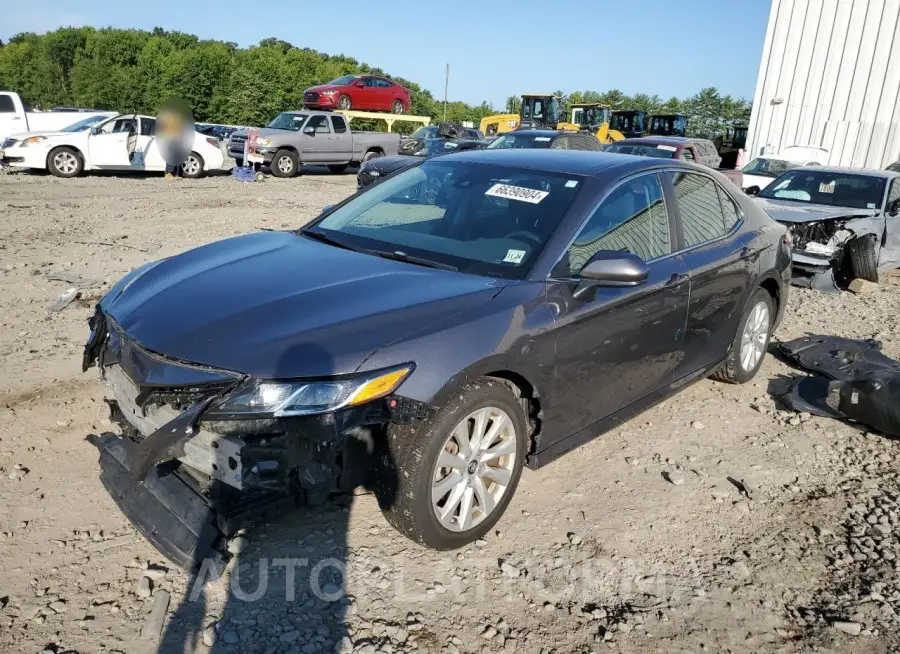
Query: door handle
677	279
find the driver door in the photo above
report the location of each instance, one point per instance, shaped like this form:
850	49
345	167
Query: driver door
890	253
108	148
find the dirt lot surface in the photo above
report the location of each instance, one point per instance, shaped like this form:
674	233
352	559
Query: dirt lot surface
766	543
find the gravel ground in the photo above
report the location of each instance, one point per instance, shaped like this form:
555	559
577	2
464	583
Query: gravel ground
714	522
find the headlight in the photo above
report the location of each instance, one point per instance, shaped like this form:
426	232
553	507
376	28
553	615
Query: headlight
264	142
310	397
328	92
33	140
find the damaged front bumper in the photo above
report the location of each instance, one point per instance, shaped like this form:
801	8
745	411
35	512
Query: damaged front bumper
188	478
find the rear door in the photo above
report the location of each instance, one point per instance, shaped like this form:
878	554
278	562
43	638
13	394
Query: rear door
341	140
722	260
108	148
623	344
385	93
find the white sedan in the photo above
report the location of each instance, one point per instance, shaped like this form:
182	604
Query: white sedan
125	142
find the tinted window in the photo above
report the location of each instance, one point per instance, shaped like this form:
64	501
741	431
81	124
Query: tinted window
148	126
729	209
836	189
118	125
702	219
659	151
895	167
480	218
343	81
561	143
320	123
370	82
6	104
894	195
339	125
631	219
521	140
590	143
383	83
686	155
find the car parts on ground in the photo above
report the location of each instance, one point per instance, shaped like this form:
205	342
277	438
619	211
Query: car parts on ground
854	381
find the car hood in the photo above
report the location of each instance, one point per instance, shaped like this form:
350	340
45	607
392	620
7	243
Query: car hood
785	211
323	87
280	305
21	136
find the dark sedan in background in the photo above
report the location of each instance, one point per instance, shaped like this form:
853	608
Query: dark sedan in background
429	344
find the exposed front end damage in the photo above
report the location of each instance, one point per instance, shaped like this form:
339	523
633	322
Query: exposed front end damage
189	476
819	258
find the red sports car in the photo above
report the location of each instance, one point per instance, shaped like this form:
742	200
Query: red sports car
364	92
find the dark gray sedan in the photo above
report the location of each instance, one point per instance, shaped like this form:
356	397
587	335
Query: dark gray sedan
431	344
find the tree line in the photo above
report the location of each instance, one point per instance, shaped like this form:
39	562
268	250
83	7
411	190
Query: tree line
137	70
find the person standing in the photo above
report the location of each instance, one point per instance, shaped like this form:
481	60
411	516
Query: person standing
175	131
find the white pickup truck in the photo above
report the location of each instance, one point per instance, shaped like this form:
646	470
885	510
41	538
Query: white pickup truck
16	119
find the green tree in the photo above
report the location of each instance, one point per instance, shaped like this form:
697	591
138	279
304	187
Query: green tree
513	104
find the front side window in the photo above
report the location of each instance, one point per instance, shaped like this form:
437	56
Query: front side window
117	125
836	189
479	218
702	217
319	124
893	203
631	219
370	82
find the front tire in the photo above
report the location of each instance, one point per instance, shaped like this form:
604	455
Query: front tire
748	350
284	163
344	103
65	162
192	168
447	483
397	107
863	255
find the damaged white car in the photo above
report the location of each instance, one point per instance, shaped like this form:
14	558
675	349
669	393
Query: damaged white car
845	223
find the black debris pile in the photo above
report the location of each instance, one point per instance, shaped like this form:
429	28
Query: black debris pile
853	381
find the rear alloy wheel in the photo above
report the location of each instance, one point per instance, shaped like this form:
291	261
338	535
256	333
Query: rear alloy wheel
748	350
192	168
446	484
284	163
372	154
65	162
397	107
344	102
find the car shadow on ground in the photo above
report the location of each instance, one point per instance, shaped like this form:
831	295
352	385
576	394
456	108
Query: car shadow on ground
286	588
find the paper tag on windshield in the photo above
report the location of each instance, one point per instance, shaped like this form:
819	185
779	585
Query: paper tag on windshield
542	138
450	146
826	188
298	119
519	193
514	256
667	148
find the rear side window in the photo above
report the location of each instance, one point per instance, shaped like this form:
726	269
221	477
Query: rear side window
590	143
560	143
631	219
702	217
686	155
339	125
6	104
383	83
729	209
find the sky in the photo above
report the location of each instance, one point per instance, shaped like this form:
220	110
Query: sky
495	49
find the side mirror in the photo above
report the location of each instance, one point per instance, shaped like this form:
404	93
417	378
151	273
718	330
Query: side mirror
607	268
752	190
95	131
309	130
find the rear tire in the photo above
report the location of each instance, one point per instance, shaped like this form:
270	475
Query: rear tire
337	169
754	331
452	464
863	255
192	168
372	154
65	162
284	163
397	107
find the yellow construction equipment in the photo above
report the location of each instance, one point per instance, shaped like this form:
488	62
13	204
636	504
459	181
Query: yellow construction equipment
593	117
538	110
628	124
498	124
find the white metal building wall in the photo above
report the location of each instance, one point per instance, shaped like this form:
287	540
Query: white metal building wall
830	77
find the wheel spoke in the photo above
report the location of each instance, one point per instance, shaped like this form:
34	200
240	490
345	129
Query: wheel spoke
442	487
461	436
499	475
465	508
447	460
485	500
449	508
478	429
507	446
496	427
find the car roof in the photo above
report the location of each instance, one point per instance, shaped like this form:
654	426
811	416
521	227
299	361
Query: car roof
869	172
661	140
572	162
536	132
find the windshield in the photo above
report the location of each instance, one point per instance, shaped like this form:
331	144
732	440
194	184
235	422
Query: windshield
768	167
429	132
659	151
289	121
436	146
343	81
520	140
822	187
82	125
480	218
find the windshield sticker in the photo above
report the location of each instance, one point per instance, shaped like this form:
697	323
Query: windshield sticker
667	148
298	119
514	256
450	146
826	188
519	193
542	139
870	205
572	183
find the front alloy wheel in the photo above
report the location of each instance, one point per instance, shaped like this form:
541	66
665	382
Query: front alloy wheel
474	468
444	482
